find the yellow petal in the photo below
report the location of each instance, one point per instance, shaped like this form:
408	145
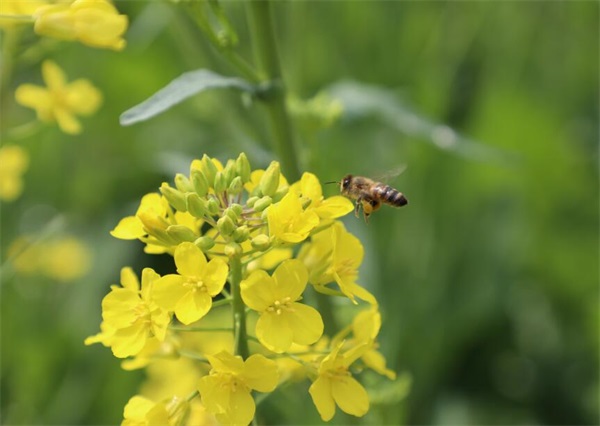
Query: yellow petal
240	411
193	306
320	391
190	260
274	332
137	407
35	97
129	341
82	97
67	121
54	77
128	228
224	362
291	278
55	21
129	280
350	396
215	275
261	373
306	324
258	290
334	207
215	396
118	305
168	290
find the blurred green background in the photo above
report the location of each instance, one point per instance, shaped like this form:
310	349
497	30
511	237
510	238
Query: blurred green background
488	280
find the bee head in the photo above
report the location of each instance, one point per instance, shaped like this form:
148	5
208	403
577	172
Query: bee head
345	183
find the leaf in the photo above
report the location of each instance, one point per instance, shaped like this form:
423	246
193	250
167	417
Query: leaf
362	100
185	86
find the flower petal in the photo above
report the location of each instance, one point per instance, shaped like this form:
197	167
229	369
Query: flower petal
274	332
168	290
190	260
129	280
193	306
306	324
128	228
258	290
320	391
215	275
261	373
291	278
350	396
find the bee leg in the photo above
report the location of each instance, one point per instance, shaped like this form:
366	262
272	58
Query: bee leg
357	207
368	206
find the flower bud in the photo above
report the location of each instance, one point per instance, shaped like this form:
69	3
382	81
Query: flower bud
241	234
208	168
270	179
199	182
156	226
263	203
252	200
236	186
183	184
196	205
237	209
242	167
174	197
229	171
220	183
204	243
226	226
212	206
181	233
233	249
261	242
229	212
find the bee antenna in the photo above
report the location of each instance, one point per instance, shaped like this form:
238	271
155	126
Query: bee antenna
333	181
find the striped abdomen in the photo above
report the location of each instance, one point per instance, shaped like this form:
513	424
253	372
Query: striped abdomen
389	195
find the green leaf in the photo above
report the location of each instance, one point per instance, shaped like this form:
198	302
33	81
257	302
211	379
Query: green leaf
185	86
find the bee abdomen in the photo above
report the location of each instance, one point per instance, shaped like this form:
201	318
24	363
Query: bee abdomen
390	195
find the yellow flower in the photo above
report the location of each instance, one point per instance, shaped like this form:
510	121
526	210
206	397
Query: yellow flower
141	411
226	391
96	23
334	255
335	385
288	221
14	161
189	293
60	101
309	188
130	317
282	320
14	12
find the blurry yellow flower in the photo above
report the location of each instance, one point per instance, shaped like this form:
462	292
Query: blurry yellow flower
365	328
288	221
96	23
282	320
14	12
334	255
335	385
130	317
226	390
309	188
60	101
141	411
189	293
14	161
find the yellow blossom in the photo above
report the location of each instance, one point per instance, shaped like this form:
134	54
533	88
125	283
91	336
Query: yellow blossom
130	317
282	320
14	12
309	188
334	255
336	386
14	161
96	23
288	221
189	293
226	390
141	411
60	101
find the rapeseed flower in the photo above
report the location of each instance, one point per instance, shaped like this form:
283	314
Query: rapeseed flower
225	392
96	23
310	189
14	161
288	221
336	386
141	411
60	101
130	317
282	320
189	293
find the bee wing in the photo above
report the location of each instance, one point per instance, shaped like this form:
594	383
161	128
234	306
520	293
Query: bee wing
390	174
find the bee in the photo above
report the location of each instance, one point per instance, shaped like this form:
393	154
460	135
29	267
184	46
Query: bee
370	194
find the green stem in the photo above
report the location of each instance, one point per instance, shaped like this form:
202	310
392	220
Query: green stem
267	61
239	312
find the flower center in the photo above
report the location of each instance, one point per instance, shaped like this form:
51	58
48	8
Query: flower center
195	284
279	306
339	373
142	313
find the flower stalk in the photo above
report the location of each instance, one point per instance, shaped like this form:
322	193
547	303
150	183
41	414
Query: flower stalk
239	309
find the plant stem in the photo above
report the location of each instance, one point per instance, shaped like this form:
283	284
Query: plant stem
240	337
267	61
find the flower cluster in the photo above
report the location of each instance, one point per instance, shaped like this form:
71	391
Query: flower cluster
248	244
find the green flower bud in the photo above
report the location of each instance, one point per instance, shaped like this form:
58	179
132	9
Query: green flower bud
270	180
196	205
182	183
220	183
280	193
241	234
236	186
263	203
157	227
204	243
237	208
174	197
181	233
261	242
233	249
229	171
212	206
229	212
199	182
242	167
226	226
208	168
252	200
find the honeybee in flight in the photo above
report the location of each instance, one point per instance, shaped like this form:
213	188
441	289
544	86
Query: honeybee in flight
370	194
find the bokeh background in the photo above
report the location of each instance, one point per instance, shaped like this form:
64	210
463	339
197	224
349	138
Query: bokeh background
488	280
